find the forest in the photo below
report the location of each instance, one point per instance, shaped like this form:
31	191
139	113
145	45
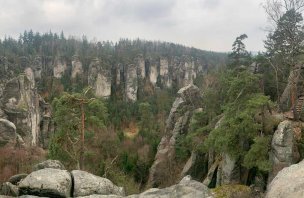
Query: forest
221	112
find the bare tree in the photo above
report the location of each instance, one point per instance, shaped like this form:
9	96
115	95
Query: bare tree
284	45
276	8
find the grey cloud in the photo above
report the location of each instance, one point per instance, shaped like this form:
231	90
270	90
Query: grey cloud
205	24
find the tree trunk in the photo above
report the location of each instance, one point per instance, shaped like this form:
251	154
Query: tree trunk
82	137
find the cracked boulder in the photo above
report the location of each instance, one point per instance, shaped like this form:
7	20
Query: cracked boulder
47	182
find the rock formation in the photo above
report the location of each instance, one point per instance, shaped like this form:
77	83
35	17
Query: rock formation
99	78
47	182
21	104
60	67
87	184
131	84
188	100
283	148
289	182
23	107
7	132
77	69
52	182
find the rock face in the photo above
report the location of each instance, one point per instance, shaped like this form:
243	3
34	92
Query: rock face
131	83
87	184
289	182
188	100
55	164
186	188
283	149
9	189
60	68
99	79
21	103
228	171
47	182
7	132
77	69
196	166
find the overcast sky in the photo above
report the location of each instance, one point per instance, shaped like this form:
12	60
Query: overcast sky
204	24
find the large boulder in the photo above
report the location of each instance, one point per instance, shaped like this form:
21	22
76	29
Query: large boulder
55	164
47	182
186	188
283	148
289	182
87	184
7	132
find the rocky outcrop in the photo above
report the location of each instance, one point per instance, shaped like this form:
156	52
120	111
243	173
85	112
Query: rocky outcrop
9	189
55	164
77	69
283	148
186	188
289	182
188	100
196	166
99	78
7	132
21	104
87	184
47	182
140	64
164	72
15	179
131	84
229	171
60	68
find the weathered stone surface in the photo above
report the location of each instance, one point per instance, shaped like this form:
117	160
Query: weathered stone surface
37	67
7	132
196	166
47	182
55	164
9	189
212	173
15	179
30	75
229	171
283	148
101	196
99	78
77	69
153	73
21	104
140	64
188	100
164	72
87	184
60	68
186	188
289	182
131	85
